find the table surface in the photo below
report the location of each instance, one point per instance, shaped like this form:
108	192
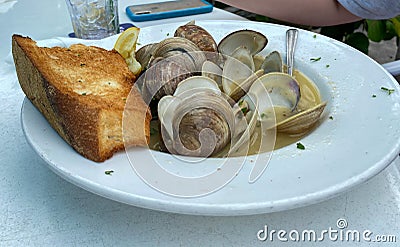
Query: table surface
38	208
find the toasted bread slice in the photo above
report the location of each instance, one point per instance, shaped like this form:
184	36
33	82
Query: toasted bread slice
82	91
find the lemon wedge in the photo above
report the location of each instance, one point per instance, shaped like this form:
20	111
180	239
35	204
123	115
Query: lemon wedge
126	46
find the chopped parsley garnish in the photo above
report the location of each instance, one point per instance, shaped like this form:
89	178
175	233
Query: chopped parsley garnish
263	115
299	145
109	172
327	66
245	110
315	36
389	91
83	93
374	96
315	59
330	117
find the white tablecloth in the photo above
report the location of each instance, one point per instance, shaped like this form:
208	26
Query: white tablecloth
38	208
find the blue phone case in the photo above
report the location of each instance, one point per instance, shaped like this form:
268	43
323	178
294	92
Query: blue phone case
207	7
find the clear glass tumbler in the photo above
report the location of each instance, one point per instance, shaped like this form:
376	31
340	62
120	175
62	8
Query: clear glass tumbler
94	19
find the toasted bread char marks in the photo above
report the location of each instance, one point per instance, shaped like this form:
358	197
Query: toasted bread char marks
82	91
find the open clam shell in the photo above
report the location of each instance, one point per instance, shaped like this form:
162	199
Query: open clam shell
283	90
253	40
272	63
237	68
284	94
241	89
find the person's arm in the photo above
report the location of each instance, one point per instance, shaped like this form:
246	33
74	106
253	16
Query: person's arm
304	12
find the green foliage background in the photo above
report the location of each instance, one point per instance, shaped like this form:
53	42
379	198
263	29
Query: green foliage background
375	30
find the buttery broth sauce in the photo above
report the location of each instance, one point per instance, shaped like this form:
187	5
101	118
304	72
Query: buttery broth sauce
310	97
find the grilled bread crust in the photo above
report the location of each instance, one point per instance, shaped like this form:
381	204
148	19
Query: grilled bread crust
82	92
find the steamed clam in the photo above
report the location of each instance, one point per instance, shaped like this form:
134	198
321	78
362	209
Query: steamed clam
197	120
185	51
237	68
272	63
283	93
169	62
210	98
253	40
200	37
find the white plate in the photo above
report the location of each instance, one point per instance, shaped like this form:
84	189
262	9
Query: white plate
358	137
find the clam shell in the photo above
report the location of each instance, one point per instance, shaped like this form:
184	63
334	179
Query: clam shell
184	51
198	36
282	89
237	68
198	83
303	121
195	124
244	86
272	63
161	79
253	40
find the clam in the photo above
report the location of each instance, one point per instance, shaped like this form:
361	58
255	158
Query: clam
200	37
161	79
239	97
189	53
272	63
253	40
197	83
237	68
197	120
284	94
282	89
172	60
240	90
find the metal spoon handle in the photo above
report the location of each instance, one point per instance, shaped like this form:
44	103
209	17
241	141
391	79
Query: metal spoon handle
291	39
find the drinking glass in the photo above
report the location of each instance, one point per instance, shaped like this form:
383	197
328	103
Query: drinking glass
94	19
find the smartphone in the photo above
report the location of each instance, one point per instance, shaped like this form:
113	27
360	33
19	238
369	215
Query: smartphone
162	10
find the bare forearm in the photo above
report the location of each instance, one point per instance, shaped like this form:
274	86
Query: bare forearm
306	12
